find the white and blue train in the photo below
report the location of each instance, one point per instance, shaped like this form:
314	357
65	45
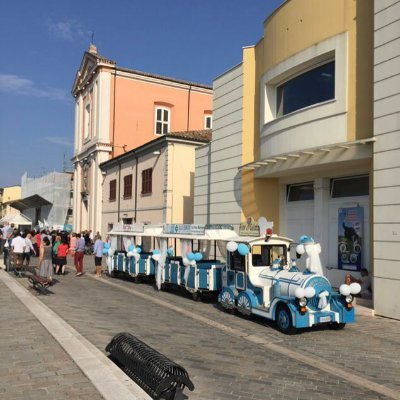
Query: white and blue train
252	275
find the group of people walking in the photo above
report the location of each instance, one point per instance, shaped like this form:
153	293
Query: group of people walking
52	248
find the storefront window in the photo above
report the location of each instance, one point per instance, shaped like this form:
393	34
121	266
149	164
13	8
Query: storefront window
300	192
350	186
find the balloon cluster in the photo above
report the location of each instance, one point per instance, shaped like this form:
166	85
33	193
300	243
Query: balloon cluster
170	251
191	258
134	252
308	292
242	248
353	288
156	255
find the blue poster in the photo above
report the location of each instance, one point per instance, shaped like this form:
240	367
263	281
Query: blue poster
350	233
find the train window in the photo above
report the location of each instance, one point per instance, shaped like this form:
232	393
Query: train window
264	255
237	262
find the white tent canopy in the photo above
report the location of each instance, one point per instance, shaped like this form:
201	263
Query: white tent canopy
16	219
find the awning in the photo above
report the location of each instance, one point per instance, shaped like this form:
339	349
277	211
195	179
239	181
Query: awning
16	219
281	159
34	201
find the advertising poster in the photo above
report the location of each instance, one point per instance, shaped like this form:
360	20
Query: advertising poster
350	233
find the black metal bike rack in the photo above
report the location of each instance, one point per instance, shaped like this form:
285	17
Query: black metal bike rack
160	377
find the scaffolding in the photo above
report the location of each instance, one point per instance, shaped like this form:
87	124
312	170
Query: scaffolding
56	188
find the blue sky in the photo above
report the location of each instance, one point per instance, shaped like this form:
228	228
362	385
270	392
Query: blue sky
42	44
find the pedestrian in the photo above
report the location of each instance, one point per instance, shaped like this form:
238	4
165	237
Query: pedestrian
45	260
62	251
79	252
29	249
56	242
18	248
34	243
72	244
98	254
38	241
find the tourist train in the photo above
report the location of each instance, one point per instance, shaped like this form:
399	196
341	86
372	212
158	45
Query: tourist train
250	273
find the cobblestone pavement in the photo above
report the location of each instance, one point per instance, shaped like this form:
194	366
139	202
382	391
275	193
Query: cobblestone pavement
226	366
33	365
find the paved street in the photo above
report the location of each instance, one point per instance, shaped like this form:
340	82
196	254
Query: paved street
227	357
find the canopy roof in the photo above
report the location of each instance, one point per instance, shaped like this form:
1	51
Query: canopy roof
29	202
16	219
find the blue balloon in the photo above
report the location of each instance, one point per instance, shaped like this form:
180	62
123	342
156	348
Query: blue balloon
198	256
243	249
106	245
156	251
190	256
139	249
130	247
170	251
105	251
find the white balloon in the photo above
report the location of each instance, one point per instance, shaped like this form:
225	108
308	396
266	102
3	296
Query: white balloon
111	251
137	256
134	250
156	257
344	290
300	249
355	288
185	261
193	262
129	254
309	292
299	292
262	223
231	246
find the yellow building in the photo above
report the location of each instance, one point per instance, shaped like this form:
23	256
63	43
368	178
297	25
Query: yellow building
153	183
8	194
308	127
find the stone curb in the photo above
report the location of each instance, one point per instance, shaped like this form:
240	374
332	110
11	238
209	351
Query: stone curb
107	378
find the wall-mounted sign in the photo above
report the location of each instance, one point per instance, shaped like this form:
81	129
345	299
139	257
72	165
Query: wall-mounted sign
350	233
249	228
184	229
219	226
128	228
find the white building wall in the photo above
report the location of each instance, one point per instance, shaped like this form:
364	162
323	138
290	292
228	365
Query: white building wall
387	158
217	187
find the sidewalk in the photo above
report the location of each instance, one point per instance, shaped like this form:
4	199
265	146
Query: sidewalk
33	364
43	357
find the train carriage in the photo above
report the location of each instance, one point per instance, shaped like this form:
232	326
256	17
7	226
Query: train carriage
251	274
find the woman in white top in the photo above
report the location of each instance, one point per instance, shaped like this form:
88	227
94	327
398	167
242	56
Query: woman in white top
28	249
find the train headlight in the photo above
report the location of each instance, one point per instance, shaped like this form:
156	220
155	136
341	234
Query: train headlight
303	302
349	299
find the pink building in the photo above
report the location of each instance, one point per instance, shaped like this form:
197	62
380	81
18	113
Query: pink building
119	109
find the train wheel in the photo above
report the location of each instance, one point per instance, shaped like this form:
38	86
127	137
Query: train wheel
284	320
337	326
244	304
227	300
196	296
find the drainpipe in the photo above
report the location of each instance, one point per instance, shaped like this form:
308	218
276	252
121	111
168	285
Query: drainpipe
119	191
188	110
136	188
115	92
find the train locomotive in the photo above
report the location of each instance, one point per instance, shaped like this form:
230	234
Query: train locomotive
254	275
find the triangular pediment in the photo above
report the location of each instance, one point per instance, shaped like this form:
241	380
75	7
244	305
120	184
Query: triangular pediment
90	62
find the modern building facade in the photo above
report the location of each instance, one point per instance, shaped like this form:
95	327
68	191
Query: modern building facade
307	129
7	195
217	180
119	109
47	200
153	183
386	158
